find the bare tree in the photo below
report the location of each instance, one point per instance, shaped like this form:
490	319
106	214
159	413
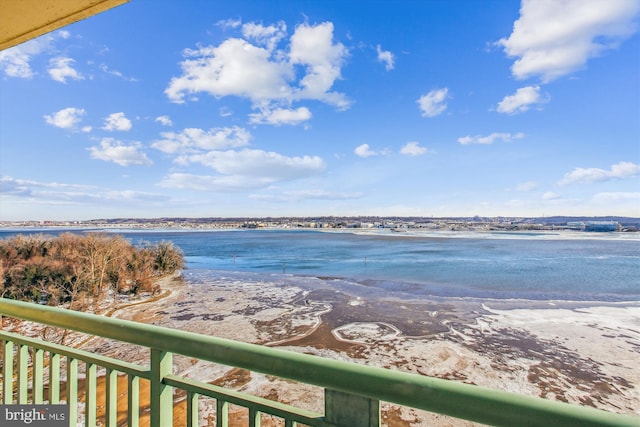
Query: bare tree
79	269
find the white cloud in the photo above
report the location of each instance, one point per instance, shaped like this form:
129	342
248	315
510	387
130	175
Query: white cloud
551	203
321	195
60	70
245	169
259	164
527	186
229	23
265	75
311	194
117	121
28	188
235	169
188	181
365	151
15	187
590	175
268	36
413	149
236	68
111	150
164	120
281	116
66	118
627	203
490	139
131	196
313	47
618	196
225	112
15	61
386	57
117	73
53	193
433	103
553	38
195	140
520	101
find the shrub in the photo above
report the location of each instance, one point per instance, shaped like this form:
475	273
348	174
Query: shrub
70	267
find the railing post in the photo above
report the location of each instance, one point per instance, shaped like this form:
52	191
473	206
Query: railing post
72	390
37	386
347	410
7	373
90	395
23	374
161	394
222	413
192	409
54	378
133	401
111	398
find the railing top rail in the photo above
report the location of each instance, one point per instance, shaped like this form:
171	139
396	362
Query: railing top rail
106	362
431	394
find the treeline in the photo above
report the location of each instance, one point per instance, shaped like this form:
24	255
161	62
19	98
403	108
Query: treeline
80	270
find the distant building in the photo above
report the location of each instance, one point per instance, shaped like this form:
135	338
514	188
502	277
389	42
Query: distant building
575	225
597	226
601	226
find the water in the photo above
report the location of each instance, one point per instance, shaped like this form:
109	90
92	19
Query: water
530	266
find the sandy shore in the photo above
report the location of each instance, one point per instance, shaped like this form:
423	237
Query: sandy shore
584	353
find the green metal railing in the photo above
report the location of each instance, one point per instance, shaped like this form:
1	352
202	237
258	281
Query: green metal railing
352	392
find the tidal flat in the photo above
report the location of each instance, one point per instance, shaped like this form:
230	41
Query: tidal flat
584	353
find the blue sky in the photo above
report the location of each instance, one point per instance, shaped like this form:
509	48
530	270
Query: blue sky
301	108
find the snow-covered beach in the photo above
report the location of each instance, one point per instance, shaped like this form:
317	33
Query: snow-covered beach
583	353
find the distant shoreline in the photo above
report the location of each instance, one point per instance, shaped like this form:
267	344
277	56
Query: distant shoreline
506	224
557	234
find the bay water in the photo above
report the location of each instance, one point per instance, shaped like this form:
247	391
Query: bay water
530	266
